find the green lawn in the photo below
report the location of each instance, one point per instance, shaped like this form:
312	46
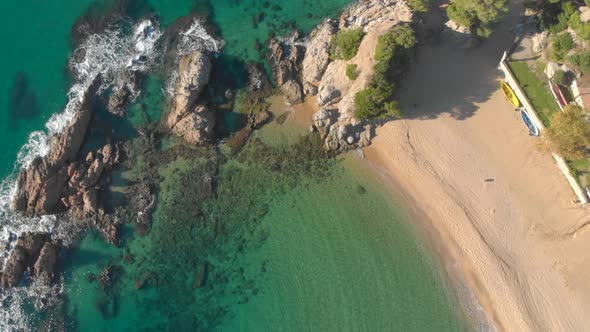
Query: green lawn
536	90
580	170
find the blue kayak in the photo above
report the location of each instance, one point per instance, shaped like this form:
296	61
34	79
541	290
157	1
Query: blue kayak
526	118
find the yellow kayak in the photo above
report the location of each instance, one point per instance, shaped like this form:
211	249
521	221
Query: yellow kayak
509	94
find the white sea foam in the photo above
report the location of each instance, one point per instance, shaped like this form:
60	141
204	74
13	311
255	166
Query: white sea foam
196	38
13	302
110	54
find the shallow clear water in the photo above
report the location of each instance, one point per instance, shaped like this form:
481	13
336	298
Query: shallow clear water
289	241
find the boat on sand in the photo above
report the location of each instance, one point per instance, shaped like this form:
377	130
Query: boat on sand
509	93
526	118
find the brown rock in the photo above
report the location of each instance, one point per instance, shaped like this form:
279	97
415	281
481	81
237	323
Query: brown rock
195	127
45	266
14	268
284	59
30	248
192	123
42	185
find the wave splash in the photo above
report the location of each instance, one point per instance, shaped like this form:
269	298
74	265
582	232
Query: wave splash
195	38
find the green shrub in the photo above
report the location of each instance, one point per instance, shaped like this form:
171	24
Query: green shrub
561	45
477	14
582	29
351	72
374	103
345	43
420	6
392	55
581	61
559	77
394	44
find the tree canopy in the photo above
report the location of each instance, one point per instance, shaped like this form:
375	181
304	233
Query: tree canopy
392	55
569	134
345	43
420	6
478	15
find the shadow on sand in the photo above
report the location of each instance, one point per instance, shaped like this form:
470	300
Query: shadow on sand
447	79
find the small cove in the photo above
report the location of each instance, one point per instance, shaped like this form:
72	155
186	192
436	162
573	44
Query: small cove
316	246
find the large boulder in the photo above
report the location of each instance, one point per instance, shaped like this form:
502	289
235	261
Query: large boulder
83	185
317	53
194	124
193	75
14	268
44	268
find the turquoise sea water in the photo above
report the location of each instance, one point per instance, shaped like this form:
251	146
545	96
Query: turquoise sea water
289	241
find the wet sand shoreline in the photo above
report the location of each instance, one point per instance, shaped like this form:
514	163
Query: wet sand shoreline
510	239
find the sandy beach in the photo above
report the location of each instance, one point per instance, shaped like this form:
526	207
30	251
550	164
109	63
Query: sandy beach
519	241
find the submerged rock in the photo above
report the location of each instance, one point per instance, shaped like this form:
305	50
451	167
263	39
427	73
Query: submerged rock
201	276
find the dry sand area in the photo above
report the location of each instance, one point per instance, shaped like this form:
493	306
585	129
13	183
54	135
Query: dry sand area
520	242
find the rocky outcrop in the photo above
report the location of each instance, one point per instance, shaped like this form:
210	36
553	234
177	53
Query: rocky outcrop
341	135
335	121
44	268
14	268
285	57
193	123
370	14
195	127
317	56
258	84
83	185
193	75
42	185
34	252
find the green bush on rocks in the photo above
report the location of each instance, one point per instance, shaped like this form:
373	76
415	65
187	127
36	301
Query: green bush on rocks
345	44
392	54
